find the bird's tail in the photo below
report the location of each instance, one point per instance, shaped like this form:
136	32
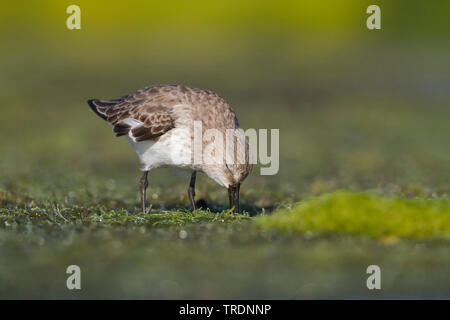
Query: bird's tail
100	107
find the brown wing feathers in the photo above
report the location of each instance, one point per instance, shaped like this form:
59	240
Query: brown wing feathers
94	104
154	125
121	129
151	108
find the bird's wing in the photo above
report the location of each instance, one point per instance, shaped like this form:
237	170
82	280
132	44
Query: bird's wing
143	115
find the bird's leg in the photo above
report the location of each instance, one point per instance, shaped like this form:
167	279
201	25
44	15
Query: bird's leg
144	184
230	196
233	196
191	190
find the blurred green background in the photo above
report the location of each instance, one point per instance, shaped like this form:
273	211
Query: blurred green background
357	109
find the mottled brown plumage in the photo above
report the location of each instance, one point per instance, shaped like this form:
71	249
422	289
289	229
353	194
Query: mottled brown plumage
153	107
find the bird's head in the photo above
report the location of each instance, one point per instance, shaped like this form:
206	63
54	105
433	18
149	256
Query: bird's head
235	168
236	174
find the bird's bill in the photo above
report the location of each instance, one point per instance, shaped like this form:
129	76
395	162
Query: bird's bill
233	196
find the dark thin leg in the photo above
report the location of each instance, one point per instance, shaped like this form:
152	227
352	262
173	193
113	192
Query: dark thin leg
144	184
191	190
233	196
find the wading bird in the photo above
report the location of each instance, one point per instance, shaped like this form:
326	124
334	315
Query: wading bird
160	123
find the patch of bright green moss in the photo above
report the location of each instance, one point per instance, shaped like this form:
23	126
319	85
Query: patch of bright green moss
365	214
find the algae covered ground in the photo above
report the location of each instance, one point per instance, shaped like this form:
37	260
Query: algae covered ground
384	218
364	162
319	248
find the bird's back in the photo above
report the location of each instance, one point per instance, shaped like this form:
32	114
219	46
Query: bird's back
152	111
206	106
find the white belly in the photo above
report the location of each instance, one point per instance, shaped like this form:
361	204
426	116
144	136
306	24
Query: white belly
173	149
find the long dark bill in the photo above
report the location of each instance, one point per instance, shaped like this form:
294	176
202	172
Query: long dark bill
233	196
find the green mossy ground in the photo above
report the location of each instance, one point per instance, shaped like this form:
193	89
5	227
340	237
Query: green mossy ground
365	214
319	247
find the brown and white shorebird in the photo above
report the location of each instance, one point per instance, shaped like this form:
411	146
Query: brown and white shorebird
162	124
